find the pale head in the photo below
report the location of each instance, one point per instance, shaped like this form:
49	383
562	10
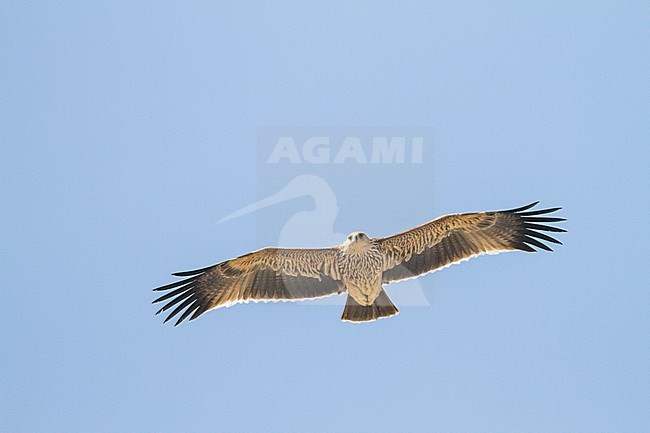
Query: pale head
356	238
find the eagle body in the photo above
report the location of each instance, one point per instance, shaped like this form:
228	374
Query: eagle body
360	263
360	266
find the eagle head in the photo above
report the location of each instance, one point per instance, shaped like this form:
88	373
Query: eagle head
357	238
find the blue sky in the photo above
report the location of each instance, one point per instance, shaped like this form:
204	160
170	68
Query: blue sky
128	130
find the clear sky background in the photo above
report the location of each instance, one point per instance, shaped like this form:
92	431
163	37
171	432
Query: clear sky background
127	130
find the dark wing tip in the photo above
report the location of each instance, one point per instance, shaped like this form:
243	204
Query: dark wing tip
170	286
525	247
196	304
537	243
542	236
540	212
523	208
184	296
531	235
192	272
184	292
543	219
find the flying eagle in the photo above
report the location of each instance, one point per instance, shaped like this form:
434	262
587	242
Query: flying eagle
360	265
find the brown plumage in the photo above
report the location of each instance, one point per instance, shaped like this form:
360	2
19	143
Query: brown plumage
359	266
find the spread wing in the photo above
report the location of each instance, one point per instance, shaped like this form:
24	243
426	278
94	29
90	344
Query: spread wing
453	238
270	274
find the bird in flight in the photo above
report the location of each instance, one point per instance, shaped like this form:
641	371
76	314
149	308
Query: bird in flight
360	266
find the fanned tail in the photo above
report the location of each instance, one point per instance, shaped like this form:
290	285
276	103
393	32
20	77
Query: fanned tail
382	307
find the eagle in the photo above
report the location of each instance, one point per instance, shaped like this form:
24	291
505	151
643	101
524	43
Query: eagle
360	266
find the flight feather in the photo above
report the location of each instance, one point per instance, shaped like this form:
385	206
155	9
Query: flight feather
456	237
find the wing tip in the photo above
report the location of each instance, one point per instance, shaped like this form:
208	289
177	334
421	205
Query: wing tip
522	208
530	239
532	236
193	272
525	247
